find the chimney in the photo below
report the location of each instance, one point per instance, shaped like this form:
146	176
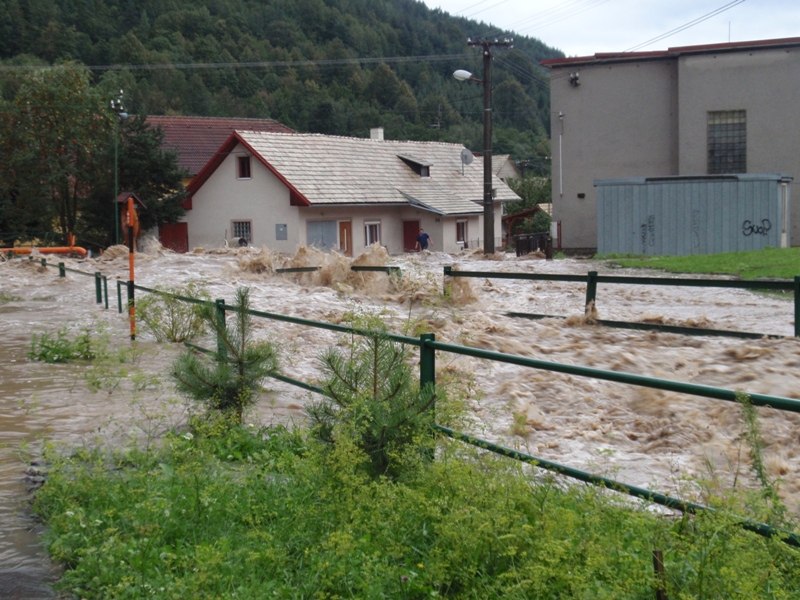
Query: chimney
376	133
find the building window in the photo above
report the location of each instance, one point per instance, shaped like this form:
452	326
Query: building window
727	142
243	163
242	230
372	232
461	231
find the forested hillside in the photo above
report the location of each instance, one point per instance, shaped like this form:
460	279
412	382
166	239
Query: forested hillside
412	99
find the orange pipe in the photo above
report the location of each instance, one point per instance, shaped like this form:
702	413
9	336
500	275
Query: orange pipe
48	250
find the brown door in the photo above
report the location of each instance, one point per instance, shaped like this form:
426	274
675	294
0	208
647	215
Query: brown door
346	237
174	236
410	234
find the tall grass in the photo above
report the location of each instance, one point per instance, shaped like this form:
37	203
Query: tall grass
269	513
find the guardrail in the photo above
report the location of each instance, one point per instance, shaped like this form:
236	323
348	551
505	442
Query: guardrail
100	280
373	269
427	374
592	279
428	346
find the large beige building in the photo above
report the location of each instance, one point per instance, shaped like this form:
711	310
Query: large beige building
697	110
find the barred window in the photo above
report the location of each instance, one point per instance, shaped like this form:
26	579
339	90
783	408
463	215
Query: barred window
241	229
727	142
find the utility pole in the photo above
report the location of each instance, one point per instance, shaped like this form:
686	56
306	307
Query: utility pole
488	200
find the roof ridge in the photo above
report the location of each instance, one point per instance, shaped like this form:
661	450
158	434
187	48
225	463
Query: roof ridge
350	137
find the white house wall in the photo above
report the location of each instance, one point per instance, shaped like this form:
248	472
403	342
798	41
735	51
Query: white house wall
262	199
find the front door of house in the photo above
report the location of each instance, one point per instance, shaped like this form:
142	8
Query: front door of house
346	238
410	233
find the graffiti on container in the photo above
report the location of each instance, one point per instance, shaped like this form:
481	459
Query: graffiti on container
749	228
648	233
695	228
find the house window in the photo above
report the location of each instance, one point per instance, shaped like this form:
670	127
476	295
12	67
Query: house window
461	231
242	230
727	142
372	232
243	163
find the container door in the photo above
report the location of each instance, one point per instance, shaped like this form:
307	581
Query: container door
322	234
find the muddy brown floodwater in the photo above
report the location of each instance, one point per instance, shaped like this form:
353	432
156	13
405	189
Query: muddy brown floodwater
661	440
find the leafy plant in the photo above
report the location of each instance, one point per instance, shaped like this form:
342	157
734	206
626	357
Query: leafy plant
170	319
374	400
60	347
227	380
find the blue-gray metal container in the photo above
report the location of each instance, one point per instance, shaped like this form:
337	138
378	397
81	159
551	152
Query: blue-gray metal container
702	214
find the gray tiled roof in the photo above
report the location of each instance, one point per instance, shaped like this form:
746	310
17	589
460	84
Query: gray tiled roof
340	170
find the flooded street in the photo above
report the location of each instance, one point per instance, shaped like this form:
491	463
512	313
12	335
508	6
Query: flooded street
643	437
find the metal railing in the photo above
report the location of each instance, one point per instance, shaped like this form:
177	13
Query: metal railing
427	374
359	269
592	280
100	280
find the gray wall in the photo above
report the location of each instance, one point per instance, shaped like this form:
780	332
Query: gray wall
621	121
765	83
648	118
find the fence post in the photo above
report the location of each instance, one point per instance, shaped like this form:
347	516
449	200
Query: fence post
131	307
105	290
591	291
797	306
62	270
44	262
221	349
661	578
447	282
119	296
427	364
98	287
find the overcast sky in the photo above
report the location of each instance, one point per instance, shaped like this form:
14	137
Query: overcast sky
584	27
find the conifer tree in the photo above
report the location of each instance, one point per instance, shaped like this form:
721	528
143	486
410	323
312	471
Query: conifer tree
229	379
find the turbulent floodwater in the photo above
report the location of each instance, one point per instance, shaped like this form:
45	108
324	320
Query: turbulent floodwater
640	436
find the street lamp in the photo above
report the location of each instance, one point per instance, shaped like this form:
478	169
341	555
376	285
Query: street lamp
119	115
462	75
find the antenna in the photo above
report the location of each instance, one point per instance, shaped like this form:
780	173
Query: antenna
466	159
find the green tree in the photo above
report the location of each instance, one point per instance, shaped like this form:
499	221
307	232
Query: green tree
145	168
227	381
51	143
374	400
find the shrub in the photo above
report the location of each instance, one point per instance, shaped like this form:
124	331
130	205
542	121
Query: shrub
227	380
374	400
60	347
170	319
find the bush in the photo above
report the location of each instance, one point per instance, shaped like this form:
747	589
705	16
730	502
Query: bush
374	400
170	319
60	347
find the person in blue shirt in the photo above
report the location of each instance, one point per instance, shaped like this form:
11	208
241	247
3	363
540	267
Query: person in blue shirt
423	239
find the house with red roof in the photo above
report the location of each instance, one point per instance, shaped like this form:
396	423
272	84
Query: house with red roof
285	190
196	140
718	109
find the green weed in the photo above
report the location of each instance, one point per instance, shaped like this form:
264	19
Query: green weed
170	319
60	347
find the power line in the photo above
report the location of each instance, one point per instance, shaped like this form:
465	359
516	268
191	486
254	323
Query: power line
243	65
685	26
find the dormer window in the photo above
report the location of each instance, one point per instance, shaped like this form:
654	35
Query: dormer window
243	167
420	167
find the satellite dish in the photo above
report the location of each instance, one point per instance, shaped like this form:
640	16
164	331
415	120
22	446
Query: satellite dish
466	159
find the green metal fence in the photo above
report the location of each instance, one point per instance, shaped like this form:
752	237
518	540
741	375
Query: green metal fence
592	280
100	280
429	346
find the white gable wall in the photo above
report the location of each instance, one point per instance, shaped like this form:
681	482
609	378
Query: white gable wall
263	199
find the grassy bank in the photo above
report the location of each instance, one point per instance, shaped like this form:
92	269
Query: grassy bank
782	263
268	513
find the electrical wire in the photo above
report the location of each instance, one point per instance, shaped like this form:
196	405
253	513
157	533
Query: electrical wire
243	65
685	26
